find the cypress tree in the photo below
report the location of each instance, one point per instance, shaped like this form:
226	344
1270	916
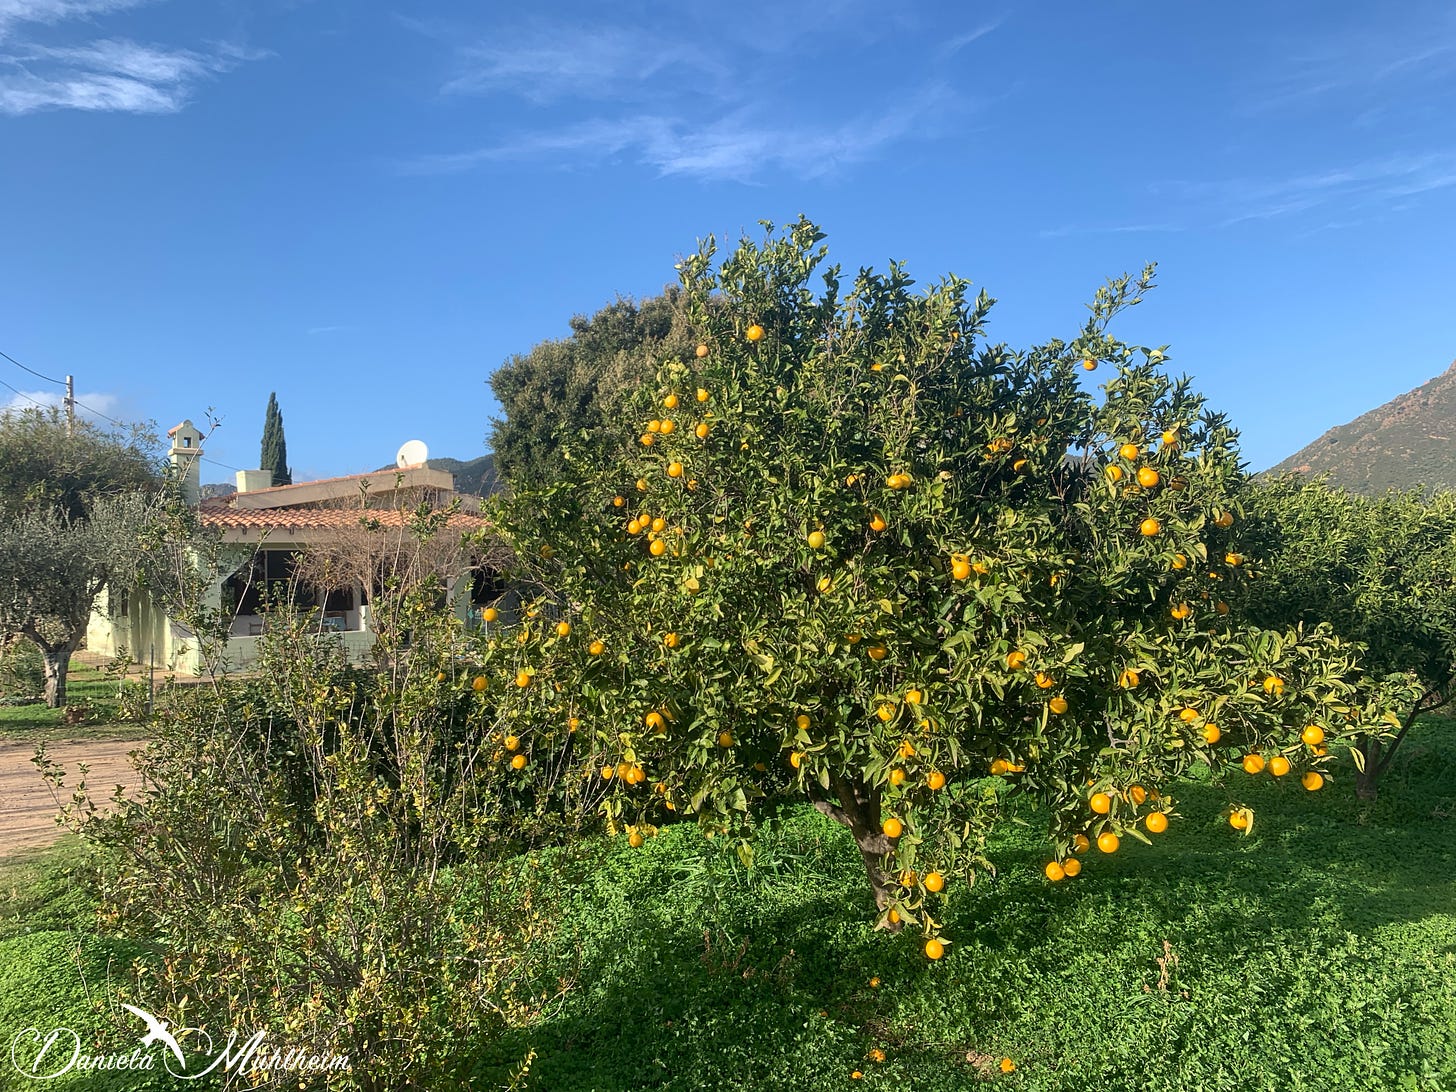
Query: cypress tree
274	454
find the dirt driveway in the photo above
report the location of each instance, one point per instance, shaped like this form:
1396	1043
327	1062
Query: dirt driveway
27	809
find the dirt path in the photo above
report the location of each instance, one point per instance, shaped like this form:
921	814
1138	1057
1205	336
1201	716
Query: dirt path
27	809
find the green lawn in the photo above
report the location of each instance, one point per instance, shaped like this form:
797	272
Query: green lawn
1318	953
85	686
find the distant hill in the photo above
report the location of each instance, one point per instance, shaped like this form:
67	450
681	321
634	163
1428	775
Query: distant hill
218	489
1406	442
476	478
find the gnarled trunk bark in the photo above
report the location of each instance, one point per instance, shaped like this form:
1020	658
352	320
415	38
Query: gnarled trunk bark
57	659
858	809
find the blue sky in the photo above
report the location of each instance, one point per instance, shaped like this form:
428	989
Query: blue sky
369	207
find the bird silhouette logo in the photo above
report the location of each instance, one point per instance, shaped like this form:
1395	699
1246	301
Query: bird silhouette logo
157	1032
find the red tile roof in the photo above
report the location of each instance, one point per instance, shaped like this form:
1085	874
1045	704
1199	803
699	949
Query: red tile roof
314	518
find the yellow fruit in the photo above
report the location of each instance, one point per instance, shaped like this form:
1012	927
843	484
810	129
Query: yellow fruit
877	522
1137	794
1148	477
1129	679
999	766
1188	716
1058	705
607	772
702	395
1108	842
701	432
1008	1066
1180	561
1273	684
563	629
1238	820
1233	559
1055	871
907	749
659	525
596	648
1114	474
523	678
702	351
478	683
513	743
641	485
754	332
914	697
667	427
654	426
1181	611
1129	451
1089	364
1080	843
802	722
1044	681
1313	735
1312	781
674	470
934	949
725	739
934	882
824	584
672	640
1100	802
1279	765
572	724
1016	659
490	614
886	713
935	780
1157	822
876	652
1211	733
635	840
796	758
897	777
519	762
1224	519
892	827
1170	437
648	439
617	502
670	402
1019	465
658	548
1253	764
1071	866
1149	527
816	540
654	720
960	567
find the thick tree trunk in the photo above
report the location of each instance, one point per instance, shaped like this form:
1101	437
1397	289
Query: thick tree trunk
858	809
57	662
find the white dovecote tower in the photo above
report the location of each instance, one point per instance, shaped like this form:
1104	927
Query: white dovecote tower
186	455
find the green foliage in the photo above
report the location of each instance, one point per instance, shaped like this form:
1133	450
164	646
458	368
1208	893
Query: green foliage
274	453
859	555
313	836
22	672
45	468
1380	571
569	394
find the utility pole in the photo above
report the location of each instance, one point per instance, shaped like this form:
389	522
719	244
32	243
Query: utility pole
70	406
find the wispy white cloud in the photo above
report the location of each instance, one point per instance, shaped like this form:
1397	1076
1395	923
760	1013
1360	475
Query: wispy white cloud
97	401
108	75
738	146
15	12
737	102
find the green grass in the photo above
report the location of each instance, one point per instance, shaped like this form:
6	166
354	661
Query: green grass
85	686
1317	953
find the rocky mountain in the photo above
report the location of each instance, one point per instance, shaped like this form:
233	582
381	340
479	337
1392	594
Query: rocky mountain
1411	440
476	478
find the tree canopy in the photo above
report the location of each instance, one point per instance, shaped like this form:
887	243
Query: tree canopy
850	551
569	393
45	466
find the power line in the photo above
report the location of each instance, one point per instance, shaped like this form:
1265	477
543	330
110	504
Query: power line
98	413
22	394
32	371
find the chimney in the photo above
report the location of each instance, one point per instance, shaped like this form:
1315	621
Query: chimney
250	480
186	455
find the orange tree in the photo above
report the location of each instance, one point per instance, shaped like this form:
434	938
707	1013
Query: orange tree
849	551
1380	570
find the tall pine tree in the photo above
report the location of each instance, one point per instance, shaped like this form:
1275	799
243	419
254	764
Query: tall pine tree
274	456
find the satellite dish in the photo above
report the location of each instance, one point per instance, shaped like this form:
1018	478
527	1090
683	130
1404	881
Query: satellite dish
412	453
